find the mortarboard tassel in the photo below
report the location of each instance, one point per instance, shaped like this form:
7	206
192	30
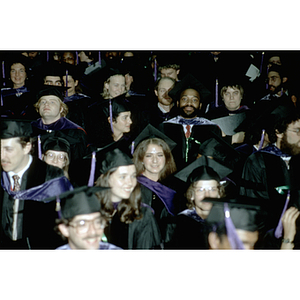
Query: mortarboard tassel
3	76
58	207
67	73
100	59
217	83
39	147
47	56
110	116
279	228
77	58
93	168
132	148
233	238
262	139
267	84
155	69
261	63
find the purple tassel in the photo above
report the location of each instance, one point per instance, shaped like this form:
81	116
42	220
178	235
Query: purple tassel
3	72
100	58
47	56
155	69
93	167
233	238
267	84
58	207
261	63
132	148
279	228
110	116
39	147
217	83
77	58
67	73
262	139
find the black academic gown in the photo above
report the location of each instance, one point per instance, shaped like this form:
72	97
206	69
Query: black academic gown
39	217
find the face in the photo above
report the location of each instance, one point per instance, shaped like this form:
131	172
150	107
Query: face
274	81
290	140
189	103
13	157
111	54
50	107
232	98
53	80
122	182
68	58
248	238
83	57
154	160
165	85
170	72
18	75
205	189
128	81
274	60
116	85
123	122
56	158
71	84
88	240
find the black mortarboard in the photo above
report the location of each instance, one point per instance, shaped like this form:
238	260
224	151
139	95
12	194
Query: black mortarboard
118	104
47	90
228	124
203	168
71	70
108	72
167	59
15	128
151	132
79	201
220	151
189	82
53	69
56	144
114	159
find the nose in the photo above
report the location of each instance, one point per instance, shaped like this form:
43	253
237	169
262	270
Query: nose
54	158
129	120
207	193
154	158
231	96
92	228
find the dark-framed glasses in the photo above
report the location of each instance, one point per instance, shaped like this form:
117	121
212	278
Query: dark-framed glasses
202	190
59	157
82	226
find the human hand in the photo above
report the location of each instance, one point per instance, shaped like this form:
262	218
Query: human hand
289	223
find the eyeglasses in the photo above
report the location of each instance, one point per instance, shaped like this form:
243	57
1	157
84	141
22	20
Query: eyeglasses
202	190
60	157
82	226
297	131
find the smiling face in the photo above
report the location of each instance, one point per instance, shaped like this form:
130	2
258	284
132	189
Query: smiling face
13	156
84	241
50	109
18	75
122	123
122	182
189	103
116	85
232	98
154	161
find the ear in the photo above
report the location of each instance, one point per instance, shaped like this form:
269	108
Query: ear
177	72
284	79
64	230
156	93
76	82
213	240
27	148
200	105
106	85
279	135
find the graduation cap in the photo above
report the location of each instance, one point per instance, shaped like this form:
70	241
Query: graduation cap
167	59
70	70
228	124
11	128
189	82
53	69
108	72
203	168
79	201
220	151
236	213
56	143
50	90
151	132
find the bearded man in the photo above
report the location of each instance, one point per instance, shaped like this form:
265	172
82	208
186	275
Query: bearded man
266	173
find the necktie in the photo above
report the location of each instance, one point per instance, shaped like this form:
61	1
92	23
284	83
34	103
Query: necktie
17	186
188	131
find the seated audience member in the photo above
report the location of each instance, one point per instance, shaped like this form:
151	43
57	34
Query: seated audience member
169	65
204	179
56	152
17	100
131	224
154	164
52	74
81	222
52	110
69	57
26	220
234	223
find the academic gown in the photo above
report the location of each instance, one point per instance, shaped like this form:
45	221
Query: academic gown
264	171
38	217
140	234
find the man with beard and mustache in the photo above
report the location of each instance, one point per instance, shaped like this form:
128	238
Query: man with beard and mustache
80	221
189	129
266	173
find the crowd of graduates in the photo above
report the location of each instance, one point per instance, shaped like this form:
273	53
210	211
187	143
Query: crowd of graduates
149	150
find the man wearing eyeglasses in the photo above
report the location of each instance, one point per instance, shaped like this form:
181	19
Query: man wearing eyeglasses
81	222
266	173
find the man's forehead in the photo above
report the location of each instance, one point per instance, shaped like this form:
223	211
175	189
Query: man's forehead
52	78
10	141
273	73
190	92
165	82
90	216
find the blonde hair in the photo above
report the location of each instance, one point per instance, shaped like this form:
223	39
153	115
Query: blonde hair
62	104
